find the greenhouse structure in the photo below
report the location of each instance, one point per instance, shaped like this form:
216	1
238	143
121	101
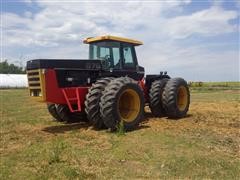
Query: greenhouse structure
13	81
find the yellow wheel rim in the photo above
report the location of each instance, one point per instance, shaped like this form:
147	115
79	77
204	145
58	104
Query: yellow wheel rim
129	105
182	98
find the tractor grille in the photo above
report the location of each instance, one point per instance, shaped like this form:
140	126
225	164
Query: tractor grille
36	83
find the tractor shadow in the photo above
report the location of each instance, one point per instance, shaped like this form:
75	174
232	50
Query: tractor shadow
141	126
66	127
84	125
149	116
180	119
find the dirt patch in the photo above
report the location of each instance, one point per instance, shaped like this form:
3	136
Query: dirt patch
222	118
234	91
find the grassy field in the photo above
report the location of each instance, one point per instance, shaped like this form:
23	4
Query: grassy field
214	86
205	144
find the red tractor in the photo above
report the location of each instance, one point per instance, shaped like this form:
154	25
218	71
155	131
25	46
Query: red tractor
107	89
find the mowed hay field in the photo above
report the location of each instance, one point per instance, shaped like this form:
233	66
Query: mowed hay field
205	144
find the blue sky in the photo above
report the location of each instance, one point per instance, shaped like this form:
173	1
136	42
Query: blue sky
197	40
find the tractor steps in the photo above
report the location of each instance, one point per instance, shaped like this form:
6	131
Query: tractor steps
72	97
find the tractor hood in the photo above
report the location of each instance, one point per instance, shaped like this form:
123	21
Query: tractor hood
84	64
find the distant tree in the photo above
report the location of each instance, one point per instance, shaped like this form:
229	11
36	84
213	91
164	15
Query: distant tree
6	68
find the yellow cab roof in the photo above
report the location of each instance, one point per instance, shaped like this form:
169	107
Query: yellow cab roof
113	38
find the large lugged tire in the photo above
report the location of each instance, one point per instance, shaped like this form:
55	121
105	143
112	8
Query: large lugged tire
122	101
53	111
176	98
67	116
155	97
92	101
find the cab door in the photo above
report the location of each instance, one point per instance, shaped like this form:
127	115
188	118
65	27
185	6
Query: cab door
129	62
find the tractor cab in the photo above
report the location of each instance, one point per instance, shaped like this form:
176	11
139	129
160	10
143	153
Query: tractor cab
116	54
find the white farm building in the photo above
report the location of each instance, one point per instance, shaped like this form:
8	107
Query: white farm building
13	81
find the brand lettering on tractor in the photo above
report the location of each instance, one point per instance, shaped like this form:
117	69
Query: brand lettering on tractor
92	66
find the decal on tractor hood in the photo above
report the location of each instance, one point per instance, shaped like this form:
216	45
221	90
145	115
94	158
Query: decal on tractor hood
92	65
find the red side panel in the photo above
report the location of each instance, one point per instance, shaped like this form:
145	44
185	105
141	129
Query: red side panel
141	83
54	94
144	88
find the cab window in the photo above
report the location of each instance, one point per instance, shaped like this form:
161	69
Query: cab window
116	57
108	52
128	61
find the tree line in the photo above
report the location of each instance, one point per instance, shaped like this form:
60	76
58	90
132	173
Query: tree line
9	68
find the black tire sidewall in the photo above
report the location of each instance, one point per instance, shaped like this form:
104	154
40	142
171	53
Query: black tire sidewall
158	109
52	109
96	120
136	121
63	112
177	83
182	82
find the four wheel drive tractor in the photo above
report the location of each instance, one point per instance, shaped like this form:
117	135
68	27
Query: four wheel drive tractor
107	89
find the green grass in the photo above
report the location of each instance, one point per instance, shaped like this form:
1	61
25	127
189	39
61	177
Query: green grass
215	96
204	145
214	86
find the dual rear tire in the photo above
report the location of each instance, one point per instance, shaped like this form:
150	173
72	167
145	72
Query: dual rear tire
111	101
176	98
122	102
169	97
92	102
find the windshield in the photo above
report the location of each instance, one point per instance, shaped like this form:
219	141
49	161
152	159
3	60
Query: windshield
108	52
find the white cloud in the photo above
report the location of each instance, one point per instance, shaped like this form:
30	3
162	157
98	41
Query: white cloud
64	22
196	63
237	3
27	1
207	22
57	29
60	22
